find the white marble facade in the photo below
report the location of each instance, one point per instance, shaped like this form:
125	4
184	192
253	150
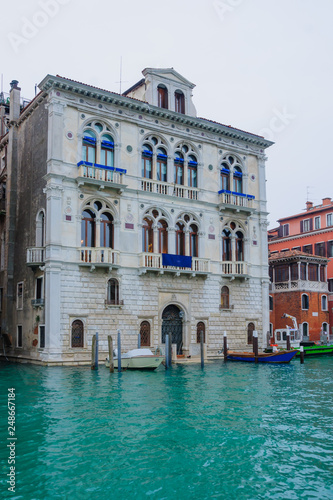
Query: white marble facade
107	222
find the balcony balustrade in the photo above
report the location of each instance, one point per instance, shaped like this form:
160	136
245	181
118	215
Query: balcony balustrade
234	269
153	262
35	256
169	189
238	200
102	257
302	285
100	174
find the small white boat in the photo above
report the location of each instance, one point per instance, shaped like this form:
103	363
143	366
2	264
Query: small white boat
137	359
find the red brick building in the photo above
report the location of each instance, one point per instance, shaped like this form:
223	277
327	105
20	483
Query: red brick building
310	232
299	288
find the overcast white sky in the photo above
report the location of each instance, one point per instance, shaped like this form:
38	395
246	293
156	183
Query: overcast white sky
264	66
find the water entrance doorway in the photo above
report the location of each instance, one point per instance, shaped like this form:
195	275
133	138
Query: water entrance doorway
172	324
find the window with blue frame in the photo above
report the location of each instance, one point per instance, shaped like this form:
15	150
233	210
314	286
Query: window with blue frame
107	150
237	180
179	168
161	165
231	166
192	165
146	162
89	146
225	177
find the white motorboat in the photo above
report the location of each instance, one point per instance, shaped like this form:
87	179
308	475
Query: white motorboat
137	359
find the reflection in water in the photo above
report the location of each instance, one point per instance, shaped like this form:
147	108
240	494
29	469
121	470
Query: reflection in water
228	431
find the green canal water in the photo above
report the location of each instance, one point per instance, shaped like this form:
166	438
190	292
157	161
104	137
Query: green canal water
233	431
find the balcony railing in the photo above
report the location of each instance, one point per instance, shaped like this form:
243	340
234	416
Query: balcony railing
37	302
100	256
318	286
153	261
236	199
35	256
100	173
166	188
229	268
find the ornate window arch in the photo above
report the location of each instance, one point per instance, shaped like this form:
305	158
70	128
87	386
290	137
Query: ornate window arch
97	212
155	219
77	334
186	159
145	334
231	165
187	226
201	327
98	144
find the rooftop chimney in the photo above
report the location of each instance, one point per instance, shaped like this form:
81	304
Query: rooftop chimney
14	106
309	205
327	201
13	85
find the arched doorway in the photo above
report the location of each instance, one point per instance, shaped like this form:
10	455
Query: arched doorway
172	324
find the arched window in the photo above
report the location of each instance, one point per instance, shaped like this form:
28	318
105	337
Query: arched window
161	165
325	327
145	334
106	230
162	97
305	329
89	146
162	236
193	240
179	168
180	239
179	102
77	333
107	150
146	161
113	292
324	303
226	245
237	176
88	229
250	330
147	236
305	301
40	230
225	177
239	246
201	327
225	297
192	165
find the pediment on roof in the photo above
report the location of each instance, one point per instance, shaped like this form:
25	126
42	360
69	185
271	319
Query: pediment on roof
168	74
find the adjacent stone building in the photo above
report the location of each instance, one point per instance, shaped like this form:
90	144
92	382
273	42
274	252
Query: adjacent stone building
129	212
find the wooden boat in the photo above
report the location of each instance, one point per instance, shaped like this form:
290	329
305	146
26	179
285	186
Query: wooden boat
137	359
263	357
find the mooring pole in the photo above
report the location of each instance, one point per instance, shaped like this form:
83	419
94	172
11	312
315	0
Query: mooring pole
288	340
93	352
225	346
119	352
110	343
167	351
202	349
96	352
139	340
301	354
255	345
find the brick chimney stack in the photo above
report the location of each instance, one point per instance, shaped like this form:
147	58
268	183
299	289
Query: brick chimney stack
309	205
326	201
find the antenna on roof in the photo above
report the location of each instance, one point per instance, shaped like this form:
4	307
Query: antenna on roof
120	73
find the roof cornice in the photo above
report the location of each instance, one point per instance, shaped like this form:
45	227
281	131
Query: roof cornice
78	88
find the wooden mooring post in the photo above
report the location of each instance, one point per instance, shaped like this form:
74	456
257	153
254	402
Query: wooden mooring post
119	351
225	346
167	352
94	352
255	345
202	349
110	344
139	341
301	354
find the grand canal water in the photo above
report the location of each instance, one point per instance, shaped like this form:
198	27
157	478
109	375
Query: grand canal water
233	431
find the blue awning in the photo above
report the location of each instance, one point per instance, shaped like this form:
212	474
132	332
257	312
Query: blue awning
176	260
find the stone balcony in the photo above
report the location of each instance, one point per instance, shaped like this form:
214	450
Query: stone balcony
154	262
301	285
99	257
100	175
166	188
237	202
234	270
35	256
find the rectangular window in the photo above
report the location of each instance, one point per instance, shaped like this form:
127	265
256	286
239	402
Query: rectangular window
281	274
307	248
294	271
330	284
319	249
41	336
322	274
306	225
303	271
329	220
285	230
19	336
39	288
330	249
317	222
19	295
313	272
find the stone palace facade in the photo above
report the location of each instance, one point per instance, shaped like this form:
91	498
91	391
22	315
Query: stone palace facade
129	212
